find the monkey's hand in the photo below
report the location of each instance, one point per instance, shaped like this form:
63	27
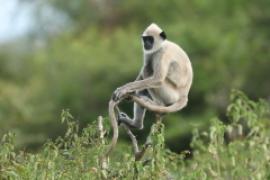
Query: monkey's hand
120	93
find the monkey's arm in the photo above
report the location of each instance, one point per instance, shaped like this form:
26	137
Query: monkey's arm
139	77
160	70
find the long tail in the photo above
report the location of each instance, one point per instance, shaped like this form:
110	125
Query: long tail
114	124
150	106
180	104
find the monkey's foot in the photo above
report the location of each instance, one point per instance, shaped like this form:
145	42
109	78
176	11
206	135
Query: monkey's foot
123	118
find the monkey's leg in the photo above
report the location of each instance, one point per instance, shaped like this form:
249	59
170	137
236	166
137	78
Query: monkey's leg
152	106
137	121
138	112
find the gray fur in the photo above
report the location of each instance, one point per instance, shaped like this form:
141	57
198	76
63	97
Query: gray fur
166	76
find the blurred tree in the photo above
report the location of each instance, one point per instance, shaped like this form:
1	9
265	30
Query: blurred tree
97	48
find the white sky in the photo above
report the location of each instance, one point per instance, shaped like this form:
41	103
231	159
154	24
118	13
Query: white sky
18	18
15	19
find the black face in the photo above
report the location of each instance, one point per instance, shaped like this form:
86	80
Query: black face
148	42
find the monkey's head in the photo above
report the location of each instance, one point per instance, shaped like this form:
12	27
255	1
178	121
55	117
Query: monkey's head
152	38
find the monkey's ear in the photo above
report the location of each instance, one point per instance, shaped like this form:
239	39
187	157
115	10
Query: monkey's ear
163	35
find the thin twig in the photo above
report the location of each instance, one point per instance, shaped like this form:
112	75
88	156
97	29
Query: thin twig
104	160
137	153
159	117
133	139
136	150
101	129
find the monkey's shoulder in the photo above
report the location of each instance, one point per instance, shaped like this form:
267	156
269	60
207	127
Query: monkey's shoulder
173	51
171	46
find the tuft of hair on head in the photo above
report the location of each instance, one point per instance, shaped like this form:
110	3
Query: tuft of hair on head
154	26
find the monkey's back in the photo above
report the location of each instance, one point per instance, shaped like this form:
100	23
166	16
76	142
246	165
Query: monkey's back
179	77
180	72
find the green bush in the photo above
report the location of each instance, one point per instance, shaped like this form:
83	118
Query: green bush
76	155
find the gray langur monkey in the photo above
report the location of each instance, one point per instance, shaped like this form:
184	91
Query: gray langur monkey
164	81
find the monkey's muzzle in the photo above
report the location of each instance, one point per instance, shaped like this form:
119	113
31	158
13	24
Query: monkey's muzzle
148	42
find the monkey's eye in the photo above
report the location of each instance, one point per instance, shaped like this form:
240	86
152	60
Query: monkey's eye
148	39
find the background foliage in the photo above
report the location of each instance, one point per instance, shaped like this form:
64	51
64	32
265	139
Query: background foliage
98	49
